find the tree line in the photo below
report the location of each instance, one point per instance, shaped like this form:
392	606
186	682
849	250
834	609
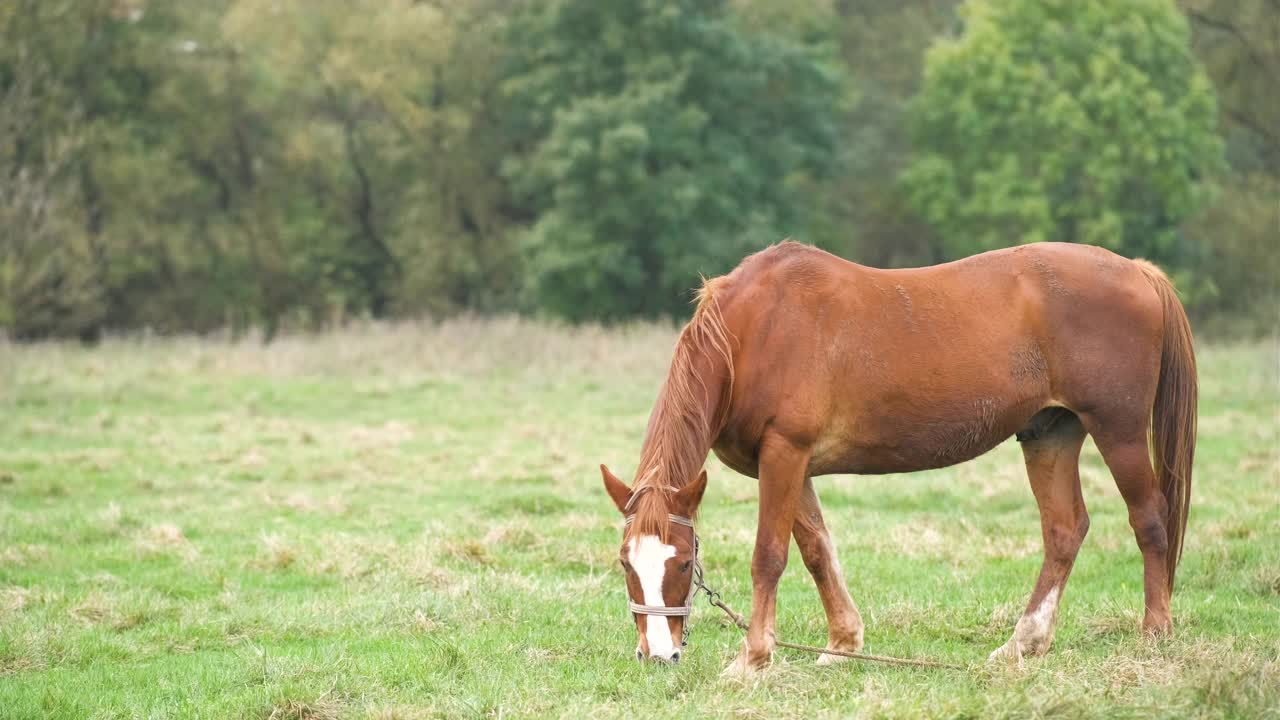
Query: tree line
187	166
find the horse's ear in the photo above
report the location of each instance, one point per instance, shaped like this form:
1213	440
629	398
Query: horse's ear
617	489
686	500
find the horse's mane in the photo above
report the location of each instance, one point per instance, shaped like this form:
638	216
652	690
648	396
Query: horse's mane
688	413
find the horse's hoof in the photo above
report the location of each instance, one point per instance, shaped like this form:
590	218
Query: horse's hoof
744	667
1009	653
1157	627
848	641
739	669
832	659
825	659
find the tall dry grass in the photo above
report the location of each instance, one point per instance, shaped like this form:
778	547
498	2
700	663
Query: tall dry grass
466	345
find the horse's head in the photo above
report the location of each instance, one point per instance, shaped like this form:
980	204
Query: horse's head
659	557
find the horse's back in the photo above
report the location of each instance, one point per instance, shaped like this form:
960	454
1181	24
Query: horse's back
1044	289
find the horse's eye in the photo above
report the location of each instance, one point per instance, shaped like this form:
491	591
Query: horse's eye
685	567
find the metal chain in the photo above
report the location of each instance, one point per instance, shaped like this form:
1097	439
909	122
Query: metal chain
715	599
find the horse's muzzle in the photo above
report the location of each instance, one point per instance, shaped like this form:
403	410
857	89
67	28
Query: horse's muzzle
675	658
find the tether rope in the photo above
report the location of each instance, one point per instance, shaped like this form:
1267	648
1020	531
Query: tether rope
714	598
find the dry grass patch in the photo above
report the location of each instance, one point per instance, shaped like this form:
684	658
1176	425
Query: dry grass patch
471	551
332	505
1126	671
275	552
351	556
1166	662
110	520
422	622
120	613
94	609
420	564
14	599
1267	464
1267	580
1004	616
513	533
392	433
29	649
1226	422
993	480
22	554
167	539
960	543
98	459
1112	620
321	708
456	346
396	712
42	428
588	521
1096	482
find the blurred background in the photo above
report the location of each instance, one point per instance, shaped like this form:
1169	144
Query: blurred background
184	166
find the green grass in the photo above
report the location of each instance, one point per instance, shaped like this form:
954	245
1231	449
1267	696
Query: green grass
407	521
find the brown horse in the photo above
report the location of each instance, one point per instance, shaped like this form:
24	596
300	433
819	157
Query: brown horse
799	363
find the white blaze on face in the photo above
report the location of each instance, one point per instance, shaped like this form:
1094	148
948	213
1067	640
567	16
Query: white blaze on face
648	557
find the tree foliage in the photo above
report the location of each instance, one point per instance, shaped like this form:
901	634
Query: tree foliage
243	162
187	166
660	140
1072	120
1239	42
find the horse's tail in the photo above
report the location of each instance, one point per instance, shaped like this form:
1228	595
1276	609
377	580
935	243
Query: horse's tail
1173	418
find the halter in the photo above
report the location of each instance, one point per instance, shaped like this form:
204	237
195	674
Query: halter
680	610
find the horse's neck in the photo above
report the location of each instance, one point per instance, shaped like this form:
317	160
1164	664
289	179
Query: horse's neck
686	418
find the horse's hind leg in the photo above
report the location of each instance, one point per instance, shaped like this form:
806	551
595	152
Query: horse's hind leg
1051	450
1124	449
844	623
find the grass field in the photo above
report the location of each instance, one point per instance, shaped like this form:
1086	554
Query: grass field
407	521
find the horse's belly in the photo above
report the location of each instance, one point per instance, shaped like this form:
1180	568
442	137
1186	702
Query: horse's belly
881	445
888	459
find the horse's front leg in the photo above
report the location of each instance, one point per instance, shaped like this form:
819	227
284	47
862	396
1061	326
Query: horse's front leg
844	623
783	466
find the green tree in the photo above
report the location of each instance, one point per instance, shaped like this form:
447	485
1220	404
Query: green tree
880	46
382	107
1239	43
1074	120
50	281
453	235
655	140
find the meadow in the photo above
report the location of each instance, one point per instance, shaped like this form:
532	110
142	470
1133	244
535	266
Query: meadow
406	521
